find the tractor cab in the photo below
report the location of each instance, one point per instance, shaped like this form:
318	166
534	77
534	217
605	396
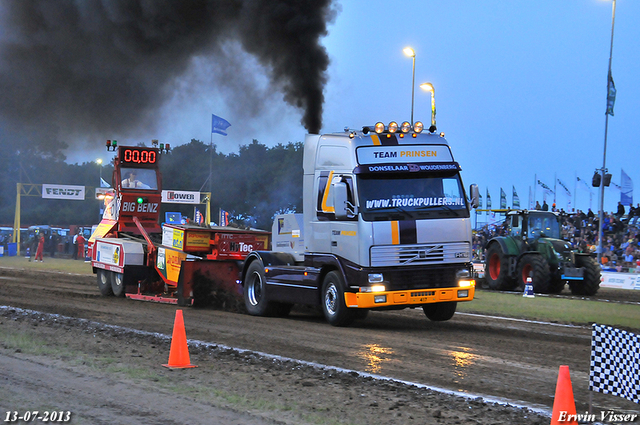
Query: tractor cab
532	225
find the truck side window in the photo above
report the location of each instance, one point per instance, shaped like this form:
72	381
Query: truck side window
322	209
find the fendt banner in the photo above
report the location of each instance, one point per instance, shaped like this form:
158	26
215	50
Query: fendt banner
61	191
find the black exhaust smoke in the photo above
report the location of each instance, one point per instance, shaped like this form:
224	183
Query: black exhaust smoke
105	65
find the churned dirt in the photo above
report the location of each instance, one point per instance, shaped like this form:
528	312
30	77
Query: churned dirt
65	348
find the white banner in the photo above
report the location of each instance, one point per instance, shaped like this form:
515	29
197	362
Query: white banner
620	280
180	197
61	191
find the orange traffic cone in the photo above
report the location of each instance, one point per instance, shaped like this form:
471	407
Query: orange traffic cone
564	406
179	352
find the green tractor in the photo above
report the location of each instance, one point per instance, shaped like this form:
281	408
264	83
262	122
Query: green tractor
533	248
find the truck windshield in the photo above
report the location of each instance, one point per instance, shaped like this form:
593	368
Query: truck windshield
400	197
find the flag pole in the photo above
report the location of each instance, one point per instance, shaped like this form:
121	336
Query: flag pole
210	172
606	128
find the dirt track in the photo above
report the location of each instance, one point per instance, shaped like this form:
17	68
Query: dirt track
470	354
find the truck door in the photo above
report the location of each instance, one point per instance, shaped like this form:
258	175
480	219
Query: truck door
344	237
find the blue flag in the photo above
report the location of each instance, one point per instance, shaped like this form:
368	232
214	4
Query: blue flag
219	125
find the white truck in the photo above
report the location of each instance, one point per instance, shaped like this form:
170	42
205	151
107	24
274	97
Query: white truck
385	226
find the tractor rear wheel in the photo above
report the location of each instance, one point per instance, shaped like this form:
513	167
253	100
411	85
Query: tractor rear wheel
590	283
536	267
497	269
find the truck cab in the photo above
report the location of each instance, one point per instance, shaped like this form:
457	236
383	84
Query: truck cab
385	225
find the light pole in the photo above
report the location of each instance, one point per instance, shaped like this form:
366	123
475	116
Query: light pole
429	87
409	52
99	162
101	209
609	111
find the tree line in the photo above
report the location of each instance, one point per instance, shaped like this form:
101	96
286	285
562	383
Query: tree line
252	185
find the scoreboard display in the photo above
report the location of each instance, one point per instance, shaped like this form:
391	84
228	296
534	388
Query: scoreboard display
133	155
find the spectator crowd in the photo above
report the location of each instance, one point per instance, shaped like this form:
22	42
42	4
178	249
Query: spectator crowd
621	235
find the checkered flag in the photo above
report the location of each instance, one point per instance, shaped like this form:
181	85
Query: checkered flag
615	362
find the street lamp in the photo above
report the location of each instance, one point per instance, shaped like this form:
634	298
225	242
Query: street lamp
409	52
429	87
609	111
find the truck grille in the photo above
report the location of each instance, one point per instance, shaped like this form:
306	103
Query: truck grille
416	255
437	277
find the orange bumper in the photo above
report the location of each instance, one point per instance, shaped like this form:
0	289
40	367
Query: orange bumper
409	297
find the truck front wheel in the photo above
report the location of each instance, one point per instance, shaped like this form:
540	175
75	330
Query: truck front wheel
333	305
439	312
104	282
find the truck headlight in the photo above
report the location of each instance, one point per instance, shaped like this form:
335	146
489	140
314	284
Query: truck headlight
375	278
466	283
373	288
462	274
463	294
464	279
380	299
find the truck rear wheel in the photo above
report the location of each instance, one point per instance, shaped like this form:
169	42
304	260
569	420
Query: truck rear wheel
104	282
117	284
496	272
439	312
590	283
255	291
333	305
536	266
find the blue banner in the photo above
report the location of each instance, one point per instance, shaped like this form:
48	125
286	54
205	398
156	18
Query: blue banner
626	189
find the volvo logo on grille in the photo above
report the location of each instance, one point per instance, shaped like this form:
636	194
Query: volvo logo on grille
422	254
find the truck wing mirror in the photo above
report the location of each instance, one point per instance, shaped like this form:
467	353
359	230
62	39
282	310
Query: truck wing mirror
340	200
474	193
